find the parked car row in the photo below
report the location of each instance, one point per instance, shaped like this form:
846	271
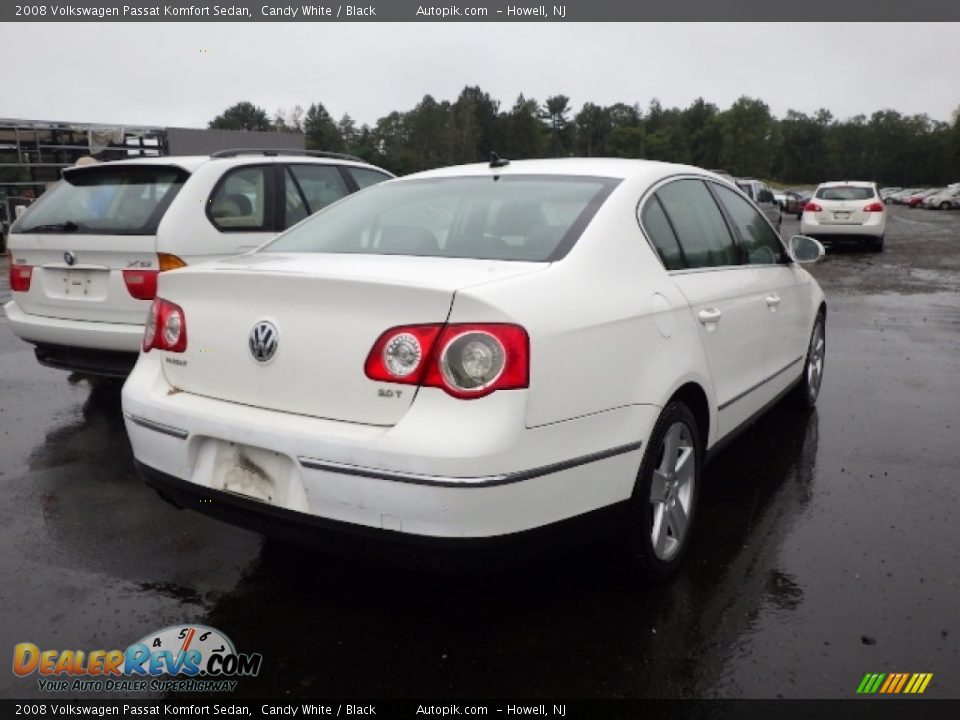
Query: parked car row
459	356
939	198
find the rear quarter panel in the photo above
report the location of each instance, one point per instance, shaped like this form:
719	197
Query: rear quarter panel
608	328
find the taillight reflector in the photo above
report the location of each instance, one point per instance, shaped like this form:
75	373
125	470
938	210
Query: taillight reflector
812	207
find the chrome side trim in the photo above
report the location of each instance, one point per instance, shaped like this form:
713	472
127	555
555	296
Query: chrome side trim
467	482
159	427
760	384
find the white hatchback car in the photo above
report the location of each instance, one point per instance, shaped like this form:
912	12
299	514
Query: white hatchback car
847	210
478	351
86	255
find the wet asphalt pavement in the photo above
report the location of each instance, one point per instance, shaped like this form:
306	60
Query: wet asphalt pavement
827	545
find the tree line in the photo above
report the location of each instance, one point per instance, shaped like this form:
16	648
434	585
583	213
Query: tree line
744	139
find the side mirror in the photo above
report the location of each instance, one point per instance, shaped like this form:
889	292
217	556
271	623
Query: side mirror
803	249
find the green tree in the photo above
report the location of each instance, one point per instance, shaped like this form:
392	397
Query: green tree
556	113
522	132
320	130
745	132
242	116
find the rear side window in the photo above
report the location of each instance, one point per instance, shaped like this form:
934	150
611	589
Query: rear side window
845	193
321	184
533	218
109	200
239	201
662	236
365	177
760	242
699	225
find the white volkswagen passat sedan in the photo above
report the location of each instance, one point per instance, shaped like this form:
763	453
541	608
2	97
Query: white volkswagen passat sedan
480	351
847	210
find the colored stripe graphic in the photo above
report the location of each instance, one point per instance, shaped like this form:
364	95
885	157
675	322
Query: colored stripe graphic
894	683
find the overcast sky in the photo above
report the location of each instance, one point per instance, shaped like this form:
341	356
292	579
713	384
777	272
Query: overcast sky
183	74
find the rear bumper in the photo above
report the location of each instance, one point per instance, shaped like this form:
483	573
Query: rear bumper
304	529
420	477
41	330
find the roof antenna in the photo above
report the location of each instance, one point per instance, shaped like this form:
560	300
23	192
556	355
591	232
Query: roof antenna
496	161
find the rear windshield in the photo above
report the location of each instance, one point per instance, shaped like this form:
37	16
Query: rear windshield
113	200
846	192
535	218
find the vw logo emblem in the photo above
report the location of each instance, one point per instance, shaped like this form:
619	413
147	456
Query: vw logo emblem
264	338
69	257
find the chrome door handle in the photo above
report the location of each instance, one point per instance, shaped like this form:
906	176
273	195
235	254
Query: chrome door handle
710	315
772	300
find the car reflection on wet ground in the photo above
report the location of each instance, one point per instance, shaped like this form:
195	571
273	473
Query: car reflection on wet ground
825	549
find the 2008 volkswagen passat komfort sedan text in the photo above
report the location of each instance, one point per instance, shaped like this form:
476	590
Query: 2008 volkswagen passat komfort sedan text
479	351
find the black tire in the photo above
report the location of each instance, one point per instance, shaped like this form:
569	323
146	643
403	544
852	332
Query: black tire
875	244
804	395
944	205
681	490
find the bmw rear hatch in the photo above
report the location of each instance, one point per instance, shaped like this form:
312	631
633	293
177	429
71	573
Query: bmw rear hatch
89	243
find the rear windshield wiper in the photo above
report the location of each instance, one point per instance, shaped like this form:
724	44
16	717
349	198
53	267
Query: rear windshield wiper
68	226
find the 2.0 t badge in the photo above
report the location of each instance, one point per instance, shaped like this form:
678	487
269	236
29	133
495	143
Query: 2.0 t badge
263	342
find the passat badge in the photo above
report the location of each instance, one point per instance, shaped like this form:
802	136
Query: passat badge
263	341
69	257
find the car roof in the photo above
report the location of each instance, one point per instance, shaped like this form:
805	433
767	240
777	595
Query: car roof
620	168
192	162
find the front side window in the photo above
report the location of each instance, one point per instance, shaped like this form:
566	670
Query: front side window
106	200
760	243
535	218
699	224
239	201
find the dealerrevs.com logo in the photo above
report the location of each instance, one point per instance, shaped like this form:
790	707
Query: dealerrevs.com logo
182	658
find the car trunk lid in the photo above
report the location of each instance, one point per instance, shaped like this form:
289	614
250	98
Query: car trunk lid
327	311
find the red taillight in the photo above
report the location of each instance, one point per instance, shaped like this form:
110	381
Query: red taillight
812	207
166	327
20	276
141	284
874	207
464	360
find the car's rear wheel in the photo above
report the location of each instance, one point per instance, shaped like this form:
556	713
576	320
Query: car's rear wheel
807	391
663	505
875	244
944	205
